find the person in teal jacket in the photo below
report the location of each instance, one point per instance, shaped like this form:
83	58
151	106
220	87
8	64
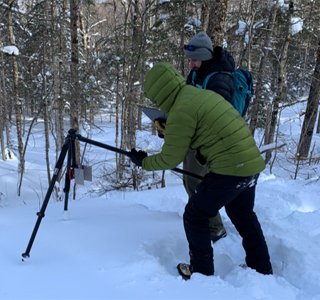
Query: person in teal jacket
204	121
204	59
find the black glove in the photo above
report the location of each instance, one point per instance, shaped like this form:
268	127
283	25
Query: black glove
160	134
138	156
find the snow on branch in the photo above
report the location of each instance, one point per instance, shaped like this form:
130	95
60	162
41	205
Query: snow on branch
11	50
12	8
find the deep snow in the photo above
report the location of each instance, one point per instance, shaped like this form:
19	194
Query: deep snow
126	245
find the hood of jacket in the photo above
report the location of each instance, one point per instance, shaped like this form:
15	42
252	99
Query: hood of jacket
222	60
162	85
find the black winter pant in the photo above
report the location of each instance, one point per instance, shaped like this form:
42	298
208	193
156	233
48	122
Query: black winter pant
237	195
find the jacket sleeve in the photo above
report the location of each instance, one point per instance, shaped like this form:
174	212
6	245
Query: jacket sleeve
180	129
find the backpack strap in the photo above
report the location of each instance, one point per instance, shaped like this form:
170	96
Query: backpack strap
195	84
193	77
205	82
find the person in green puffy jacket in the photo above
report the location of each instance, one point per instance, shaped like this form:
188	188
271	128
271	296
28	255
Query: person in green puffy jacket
204	121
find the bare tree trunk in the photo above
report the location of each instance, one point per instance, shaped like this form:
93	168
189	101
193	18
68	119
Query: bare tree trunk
281	93
132	121
3	114
84	38
74	88
83	32
125	85
204	18
18	106
303	76
181	51
311	111
60	100
45	111
242	49
253	7
8	138
255	105
118	102
56	45
134	94
118	98
74	82
217	21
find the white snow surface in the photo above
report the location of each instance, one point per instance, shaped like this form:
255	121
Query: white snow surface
126	245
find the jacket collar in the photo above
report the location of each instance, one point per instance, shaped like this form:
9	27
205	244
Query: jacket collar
222	61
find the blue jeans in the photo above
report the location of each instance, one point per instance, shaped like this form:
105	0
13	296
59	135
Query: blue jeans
237	195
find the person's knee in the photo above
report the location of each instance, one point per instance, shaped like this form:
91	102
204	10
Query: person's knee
189	212
192	214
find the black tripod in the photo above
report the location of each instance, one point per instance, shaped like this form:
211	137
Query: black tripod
69	147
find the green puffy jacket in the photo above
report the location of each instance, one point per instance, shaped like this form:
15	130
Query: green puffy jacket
203	120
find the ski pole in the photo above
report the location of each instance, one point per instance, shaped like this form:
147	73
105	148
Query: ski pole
127	153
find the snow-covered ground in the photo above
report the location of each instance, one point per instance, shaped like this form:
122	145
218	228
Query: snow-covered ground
126	245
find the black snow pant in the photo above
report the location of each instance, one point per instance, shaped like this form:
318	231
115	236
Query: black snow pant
190	164
237	195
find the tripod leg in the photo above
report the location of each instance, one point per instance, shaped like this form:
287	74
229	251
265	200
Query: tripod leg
40	214
67	180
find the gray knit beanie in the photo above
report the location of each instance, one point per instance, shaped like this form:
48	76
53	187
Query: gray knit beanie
200	40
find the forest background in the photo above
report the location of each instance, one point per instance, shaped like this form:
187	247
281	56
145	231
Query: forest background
62	61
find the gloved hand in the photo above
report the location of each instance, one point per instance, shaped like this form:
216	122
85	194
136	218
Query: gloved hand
161	126
138	156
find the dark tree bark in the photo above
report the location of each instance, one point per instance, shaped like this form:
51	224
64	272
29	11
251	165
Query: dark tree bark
281	93
74	82
311	112
17	101
255	106
217	21
3	113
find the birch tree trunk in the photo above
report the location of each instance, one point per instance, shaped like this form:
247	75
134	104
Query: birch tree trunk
255	105
311	111
281	83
